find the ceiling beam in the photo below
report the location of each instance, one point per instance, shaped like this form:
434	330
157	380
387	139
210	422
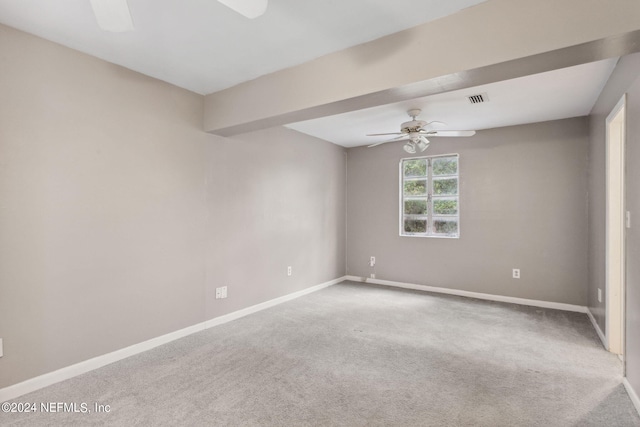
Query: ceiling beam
494	41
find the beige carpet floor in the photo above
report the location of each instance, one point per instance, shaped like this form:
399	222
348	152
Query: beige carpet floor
362	355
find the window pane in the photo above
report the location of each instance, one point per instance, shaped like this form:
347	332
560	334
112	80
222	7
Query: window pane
415	167
430	201
445	166
445	206
445	186
415	225
415	188
415	207
445	226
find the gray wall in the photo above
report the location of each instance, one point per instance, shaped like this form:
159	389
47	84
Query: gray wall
624	79
119	216
523	205
278	201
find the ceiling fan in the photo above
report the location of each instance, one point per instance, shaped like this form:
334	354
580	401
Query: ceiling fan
114	15
415	133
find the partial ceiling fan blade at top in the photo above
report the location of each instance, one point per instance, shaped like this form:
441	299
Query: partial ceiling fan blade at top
113	15
385	134
248	8
400	138
449	133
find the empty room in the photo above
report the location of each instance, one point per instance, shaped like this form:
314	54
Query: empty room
296	213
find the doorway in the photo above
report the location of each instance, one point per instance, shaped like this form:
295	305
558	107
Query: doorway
615	228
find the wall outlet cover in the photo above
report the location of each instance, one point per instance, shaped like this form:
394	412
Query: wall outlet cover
221	292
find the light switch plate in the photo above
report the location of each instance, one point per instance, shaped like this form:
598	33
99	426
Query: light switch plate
628	219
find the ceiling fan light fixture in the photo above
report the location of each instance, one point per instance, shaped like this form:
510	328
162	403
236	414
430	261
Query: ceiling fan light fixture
410	147
249	8
423	144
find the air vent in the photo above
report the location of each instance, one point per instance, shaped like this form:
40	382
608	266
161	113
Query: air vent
479	98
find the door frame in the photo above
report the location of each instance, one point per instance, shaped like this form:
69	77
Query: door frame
615	228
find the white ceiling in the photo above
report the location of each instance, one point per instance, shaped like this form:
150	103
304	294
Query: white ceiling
558	94
203	46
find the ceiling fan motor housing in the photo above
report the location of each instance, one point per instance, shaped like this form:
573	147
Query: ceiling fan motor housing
412	126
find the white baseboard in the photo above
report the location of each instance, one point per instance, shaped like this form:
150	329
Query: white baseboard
478	295
267	304
598	330
85	366
632	394
68	372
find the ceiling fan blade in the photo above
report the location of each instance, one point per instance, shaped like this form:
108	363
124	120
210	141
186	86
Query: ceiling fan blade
435	121
400	138
451	133
385	134
113	15
248	8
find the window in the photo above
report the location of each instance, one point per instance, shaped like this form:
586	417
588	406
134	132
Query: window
429	196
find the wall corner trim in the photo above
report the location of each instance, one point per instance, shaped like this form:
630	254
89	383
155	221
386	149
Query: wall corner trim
632	394
469	294
597	328
68	372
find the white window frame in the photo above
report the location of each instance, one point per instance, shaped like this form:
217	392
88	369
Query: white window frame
429	216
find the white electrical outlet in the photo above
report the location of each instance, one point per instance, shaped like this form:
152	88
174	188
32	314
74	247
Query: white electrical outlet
289	271
1	350
628	219
599	295
516	273
221	292
372	261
